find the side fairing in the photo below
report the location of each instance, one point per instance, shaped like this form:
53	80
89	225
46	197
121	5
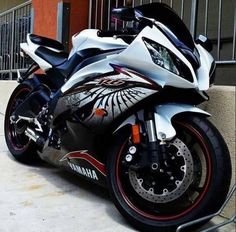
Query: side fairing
107	86
98	102
137	57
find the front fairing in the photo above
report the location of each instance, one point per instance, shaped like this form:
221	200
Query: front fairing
204	71
164	14
137	57
176	31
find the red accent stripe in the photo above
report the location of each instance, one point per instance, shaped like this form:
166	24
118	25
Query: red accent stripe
78	155
123	70
120	69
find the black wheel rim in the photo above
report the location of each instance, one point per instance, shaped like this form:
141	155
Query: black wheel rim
19	142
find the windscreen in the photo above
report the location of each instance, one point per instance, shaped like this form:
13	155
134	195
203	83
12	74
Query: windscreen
166	15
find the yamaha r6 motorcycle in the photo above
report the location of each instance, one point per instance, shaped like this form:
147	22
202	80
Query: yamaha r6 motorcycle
120	110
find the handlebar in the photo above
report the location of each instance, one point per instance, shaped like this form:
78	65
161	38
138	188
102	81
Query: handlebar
111	33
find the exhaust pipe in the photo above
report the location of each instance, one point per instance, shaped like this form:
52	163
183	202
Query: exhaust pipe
31	134
39	140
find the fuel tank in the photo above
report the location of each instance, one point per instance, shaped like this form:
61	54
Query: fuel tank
89	39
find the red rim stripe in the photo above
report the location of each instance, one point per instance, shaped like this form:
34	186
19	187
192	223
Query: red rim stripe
9	132
199	199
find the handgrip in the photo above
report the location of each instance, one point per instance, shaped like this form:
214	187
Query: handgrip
110	33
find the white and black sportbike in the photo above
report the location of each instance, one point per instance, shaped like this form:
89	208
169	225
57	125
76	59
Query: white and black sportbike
120	110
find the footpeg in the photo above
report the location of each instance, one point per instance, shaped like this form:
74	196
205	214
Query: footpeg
55	141
27	119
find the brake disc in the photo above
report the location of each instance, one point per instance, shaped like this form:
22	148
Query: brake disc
181	185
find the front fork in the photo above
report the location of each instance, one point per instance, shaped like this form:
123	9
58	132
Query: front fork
156	155
156	123
157	148
153	148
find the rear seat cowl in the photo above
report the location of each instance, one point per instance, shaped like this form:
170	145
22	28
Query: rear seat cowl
47	42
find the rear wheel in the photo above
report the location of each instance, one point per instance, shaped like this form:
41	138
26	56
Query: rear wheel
198	168
23	149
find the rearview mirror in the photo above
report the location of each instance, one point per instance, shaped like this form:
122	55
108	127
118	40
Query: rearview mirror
124	14
205	42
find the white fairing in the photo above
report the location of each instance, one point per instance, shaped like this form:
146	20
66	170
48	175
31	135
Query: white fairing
135	56
163	116
89	39
203	71
29	48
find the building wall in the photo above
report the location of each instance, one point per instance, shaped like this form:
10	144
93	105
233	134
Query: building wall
48	26
79	15
45	17
8	4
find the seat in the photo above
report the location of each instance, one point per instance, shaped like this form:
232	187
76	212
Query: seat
65	66
43	41
60	61
68	67
52	57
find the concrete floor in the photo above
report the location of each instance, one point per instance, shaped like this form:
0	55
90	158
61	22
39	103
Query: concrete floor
45	199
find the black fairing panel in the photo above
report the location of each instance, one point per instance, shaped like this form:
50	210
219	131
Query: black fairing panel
47	42
67	67
166	15
76	138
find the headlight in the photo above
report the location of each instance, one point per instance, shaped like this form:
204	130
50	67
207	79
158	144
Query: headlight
163	57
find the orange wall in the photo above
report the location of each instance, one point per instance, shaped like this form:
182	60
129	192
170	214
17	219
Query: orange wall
45	16
79	15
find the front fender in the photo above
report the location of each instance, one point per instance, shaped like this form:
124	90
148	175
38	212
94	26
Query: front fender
164	114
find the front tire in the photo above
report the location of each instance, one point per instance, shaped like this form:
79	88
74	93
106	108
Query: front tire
211	177
21	148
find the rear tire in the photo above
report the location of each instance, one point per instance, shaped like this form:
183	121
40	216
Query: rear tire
217	181
21	148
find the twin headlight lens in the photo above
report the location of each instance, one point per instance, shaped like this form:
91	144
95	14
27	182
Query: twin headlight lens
166	59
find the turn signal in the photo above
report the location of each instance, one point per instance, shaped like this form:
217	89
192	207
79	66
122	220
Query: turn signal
100	112
136	134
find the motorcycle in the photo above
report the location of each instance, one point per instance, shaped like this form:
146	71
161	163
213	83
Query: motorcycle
120	110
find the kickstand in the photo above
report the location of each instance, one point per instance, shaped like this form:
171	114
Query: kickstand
232	219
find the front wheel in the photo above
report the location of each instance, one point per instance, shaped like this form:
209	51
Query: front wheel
197	169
